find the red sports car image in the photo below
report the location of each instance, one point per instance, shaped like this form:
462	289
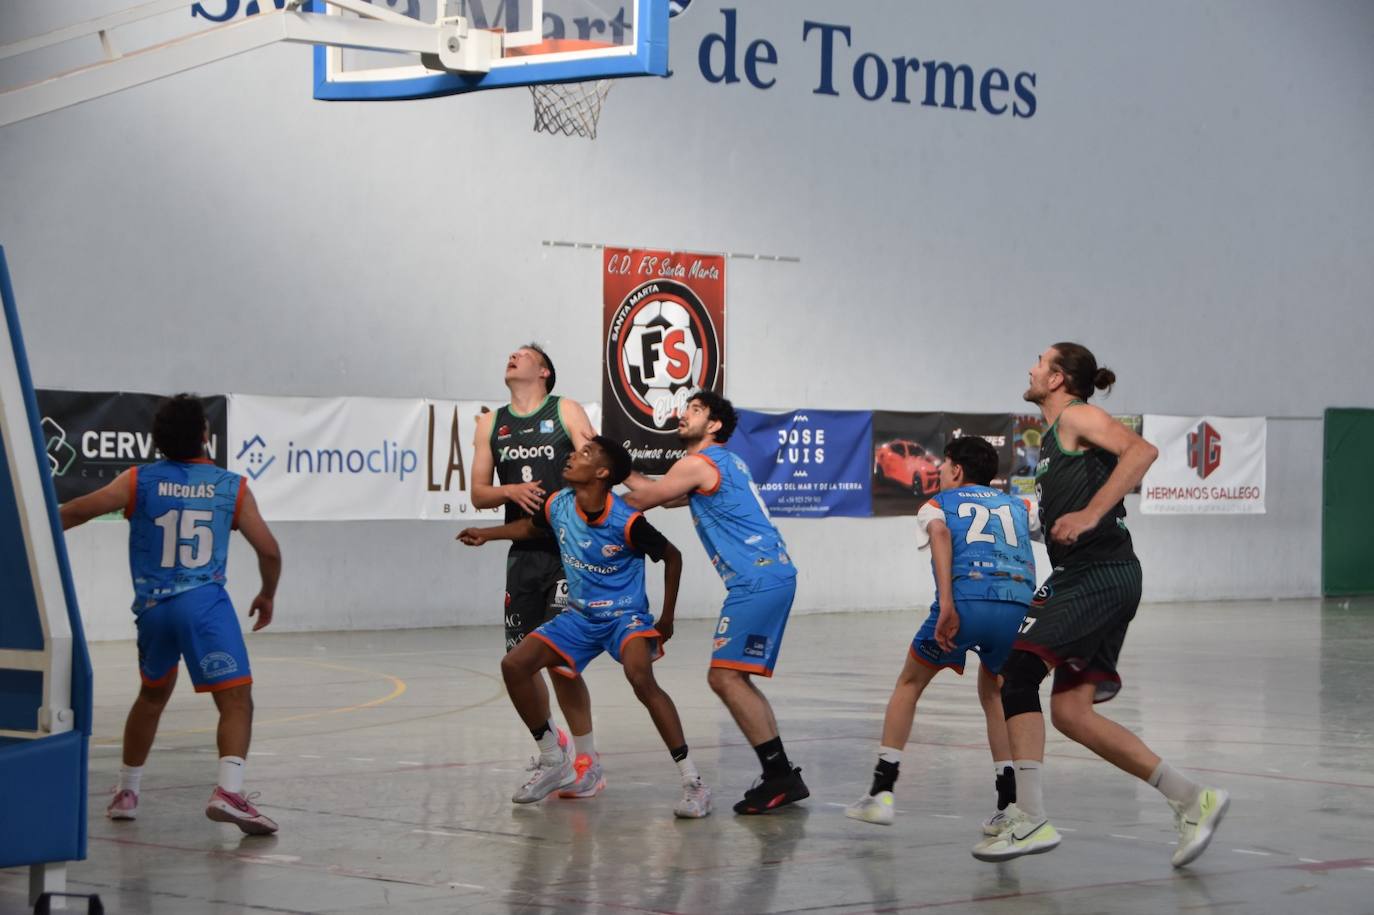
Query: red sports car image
907	464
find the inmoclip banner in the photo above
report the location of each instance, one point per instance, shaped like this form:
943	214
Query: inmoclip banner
1206	465
94	436
808	463
664	339
359	458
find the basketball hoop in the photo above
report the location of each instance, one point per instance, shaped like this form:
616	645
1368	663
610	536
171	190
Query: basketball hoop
571	109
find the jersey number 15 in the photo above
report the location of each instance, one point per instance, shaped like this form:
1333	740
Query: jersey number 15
193	525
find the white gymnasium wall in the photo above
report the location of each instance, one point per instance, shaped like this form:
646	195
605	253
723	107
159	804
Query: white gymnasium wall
1191	198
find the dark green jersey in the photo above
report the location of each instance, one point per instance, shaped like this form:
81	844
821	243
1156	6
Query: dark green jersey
1065	482
530	447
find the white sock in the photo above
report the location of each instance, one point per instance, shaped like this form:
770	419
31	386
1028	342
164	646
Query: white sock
1029	796
548	744
890	754
1173	784
584	745
129	778
231	774
999	764
688	770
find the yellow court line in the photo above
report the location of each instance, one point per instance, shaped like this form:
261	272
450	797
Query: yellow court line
397	690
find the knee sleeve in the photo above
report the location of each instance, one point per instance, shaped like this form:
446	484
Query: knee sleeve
1021	678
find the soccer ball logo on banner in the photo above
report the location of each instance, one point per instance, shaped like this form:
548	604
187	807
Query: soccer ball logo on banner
662	349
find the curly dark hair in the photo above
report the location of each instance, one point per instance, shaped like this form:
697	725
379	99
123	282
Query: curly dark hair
719	410
976	456
179	428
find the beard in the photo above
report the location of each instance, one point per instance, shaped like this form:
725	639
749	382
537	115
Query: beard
1033	396
686	436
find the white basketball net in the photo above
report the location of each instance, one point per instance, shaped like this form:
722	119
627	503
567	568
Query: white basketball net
571	109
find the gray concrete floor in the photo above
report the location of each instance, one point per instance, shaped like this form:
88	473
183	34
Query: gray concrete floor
388	758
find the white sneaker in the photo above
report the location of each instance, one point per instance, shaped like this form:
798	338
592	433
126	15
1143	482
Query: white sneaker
548	775
696	801
1196	823
1021	836
591	780
123	806
879	809
996	823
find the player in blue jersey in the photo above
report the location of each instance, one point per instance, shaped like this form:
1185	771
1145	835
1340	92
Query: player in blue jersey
760	580
603	543
980	552
181	512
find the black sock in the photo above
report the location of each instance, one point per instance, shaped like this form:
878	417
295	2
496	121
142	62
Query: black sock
679	753
773	758
1006	788
539	732
884	776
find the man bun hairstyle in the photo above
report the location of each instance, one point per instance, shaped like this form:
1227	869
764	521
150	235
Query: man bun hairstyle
179	428
548	364
976	456
720	410
1081	373
618	460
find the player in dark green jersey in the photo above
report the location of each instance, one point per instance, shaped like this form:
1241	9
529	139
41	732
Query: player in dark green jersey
1077	621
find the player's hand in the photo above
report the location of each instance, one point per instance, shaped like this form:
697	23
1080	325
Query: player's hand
529	496
1072	526
472	536
262	608
665	630
946	628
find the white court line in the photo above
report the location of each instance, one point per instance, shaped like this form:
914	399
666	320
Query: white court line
1309	861
1246	851
1370	869
361	759
1065	829
310	756
466	886
1117	835
411	762
505	770
438	832
946	816
263	753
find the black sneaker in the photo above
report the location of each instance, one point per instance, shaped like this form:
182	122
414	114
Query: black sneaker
774	792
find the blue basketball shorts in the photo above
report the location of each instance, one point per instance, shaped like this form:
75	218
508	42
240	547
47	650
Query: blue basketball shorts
579	639
749	631
988	627
199	625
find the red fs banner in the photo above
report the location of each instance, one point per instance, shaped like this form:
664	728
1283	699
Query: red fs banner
664	331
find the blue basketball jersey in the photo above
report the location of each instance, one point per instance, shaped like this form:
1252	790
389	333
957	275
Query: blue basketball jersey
605	572
991	534
180	520
734	526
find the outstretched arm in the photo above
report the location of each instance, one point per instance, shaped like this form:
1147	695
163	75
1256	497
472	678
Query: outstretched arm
1089	425
682	479
112	497
523	529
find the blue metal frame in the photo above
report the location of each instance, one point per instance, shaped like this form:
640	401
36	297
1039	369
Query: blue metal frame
43	781
650	59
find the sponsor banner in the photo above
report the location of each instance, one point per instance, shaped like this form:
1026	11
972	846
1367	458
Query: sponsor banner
907	449
94	436
808	463
1027	431
664	338
994	428
1206	465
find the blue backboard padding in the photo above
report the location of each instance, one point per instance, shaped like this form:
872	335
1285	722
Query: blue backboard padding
20	626
43	796
650	59
21	695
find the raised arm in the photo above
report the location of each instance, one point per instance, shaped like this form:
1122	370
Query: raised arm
259	537
1086	425
529	496
575	421
523	529
115	496
682	479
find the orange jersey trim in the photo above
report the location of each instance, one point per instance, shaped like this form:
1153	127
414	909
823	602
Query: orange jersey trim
227	684
133	493
570	671
957	668
629	524
238	504
605	512
160	681
741	666
716	488
644	634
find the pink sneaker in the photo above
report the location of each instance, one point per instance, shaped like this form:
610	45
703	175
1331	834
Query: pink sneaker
591	781
227	807
124	805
